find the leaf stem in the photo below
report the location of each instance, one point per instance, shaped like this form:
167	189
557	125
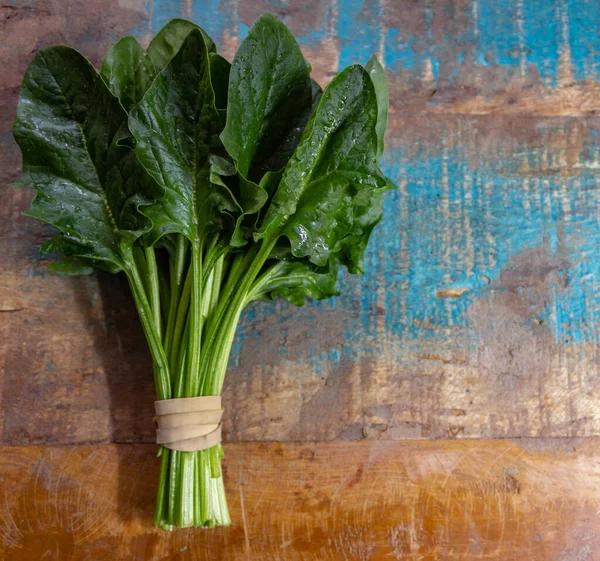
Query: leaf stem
195	341
177	269
264	279
154	289
206	293
162	379
139	260
216	285
239	265
162	498
180	366
226	317
180	321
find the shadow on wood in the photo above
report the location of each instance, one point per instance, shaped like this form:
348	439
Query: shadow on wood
120	345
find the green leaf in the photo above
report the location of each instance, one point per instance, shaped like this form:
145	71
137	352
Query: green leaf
65	265
270	182
69	127
59	243
169	39
299	279
128	71
367	214
377	74
219	76
73	260
282	152
334	162
269	86
131	185
252	199
249	196
177	128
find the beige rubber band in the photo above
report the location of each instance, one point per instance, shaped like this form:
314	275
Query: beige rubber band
188	424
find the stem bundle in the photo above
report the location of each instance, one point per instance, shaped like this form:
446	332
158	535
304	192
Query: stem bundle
190	338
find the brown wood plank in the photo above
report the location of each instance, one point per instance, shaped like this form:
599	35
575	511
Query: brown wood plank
498	500
74	366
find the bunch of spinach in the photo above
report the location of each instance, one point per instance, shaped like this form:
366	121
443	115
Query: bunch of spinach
209	185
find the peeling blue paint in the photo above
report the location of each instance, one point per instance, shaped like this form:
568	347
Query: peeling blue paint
508	34
504	220
452	224
359	29
422	247
584	41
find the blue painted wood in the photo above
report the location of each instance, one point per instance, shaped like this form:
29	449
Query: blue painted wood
477	315
486	261
440	45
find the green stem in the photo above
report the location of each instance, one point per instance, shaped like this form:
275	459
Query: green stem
270	274
216	285
162	497
180	322
195	340
187	482
221	352
161	367
139	260
207	292
154	289
232	302
191	484
238	267
177	269
213	255
173	490
180	367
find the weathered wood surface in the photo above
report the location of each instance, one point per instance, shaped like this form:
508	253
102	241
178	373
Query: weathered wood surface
537	500
477	317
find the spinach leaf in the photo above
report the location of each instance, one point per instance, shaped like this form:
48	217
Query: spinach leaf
128	71
219	77
69	262
297	280
250	196
176	127
169	39
71	266
367	213
269	85
377	74
68	126
334	161
278	157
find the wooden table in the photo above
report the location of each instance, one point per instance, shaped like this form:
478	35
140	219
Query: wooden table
444	407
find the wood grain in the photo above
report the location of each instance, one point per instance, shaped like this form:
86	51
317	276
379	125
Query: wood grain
499	371
488	500
477	317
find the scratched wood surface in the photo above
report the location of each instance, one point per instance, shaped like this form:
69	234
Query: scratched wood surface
477	317
487	500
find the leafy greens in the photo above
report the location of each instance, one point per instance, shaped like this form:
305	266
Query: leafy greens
209	185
